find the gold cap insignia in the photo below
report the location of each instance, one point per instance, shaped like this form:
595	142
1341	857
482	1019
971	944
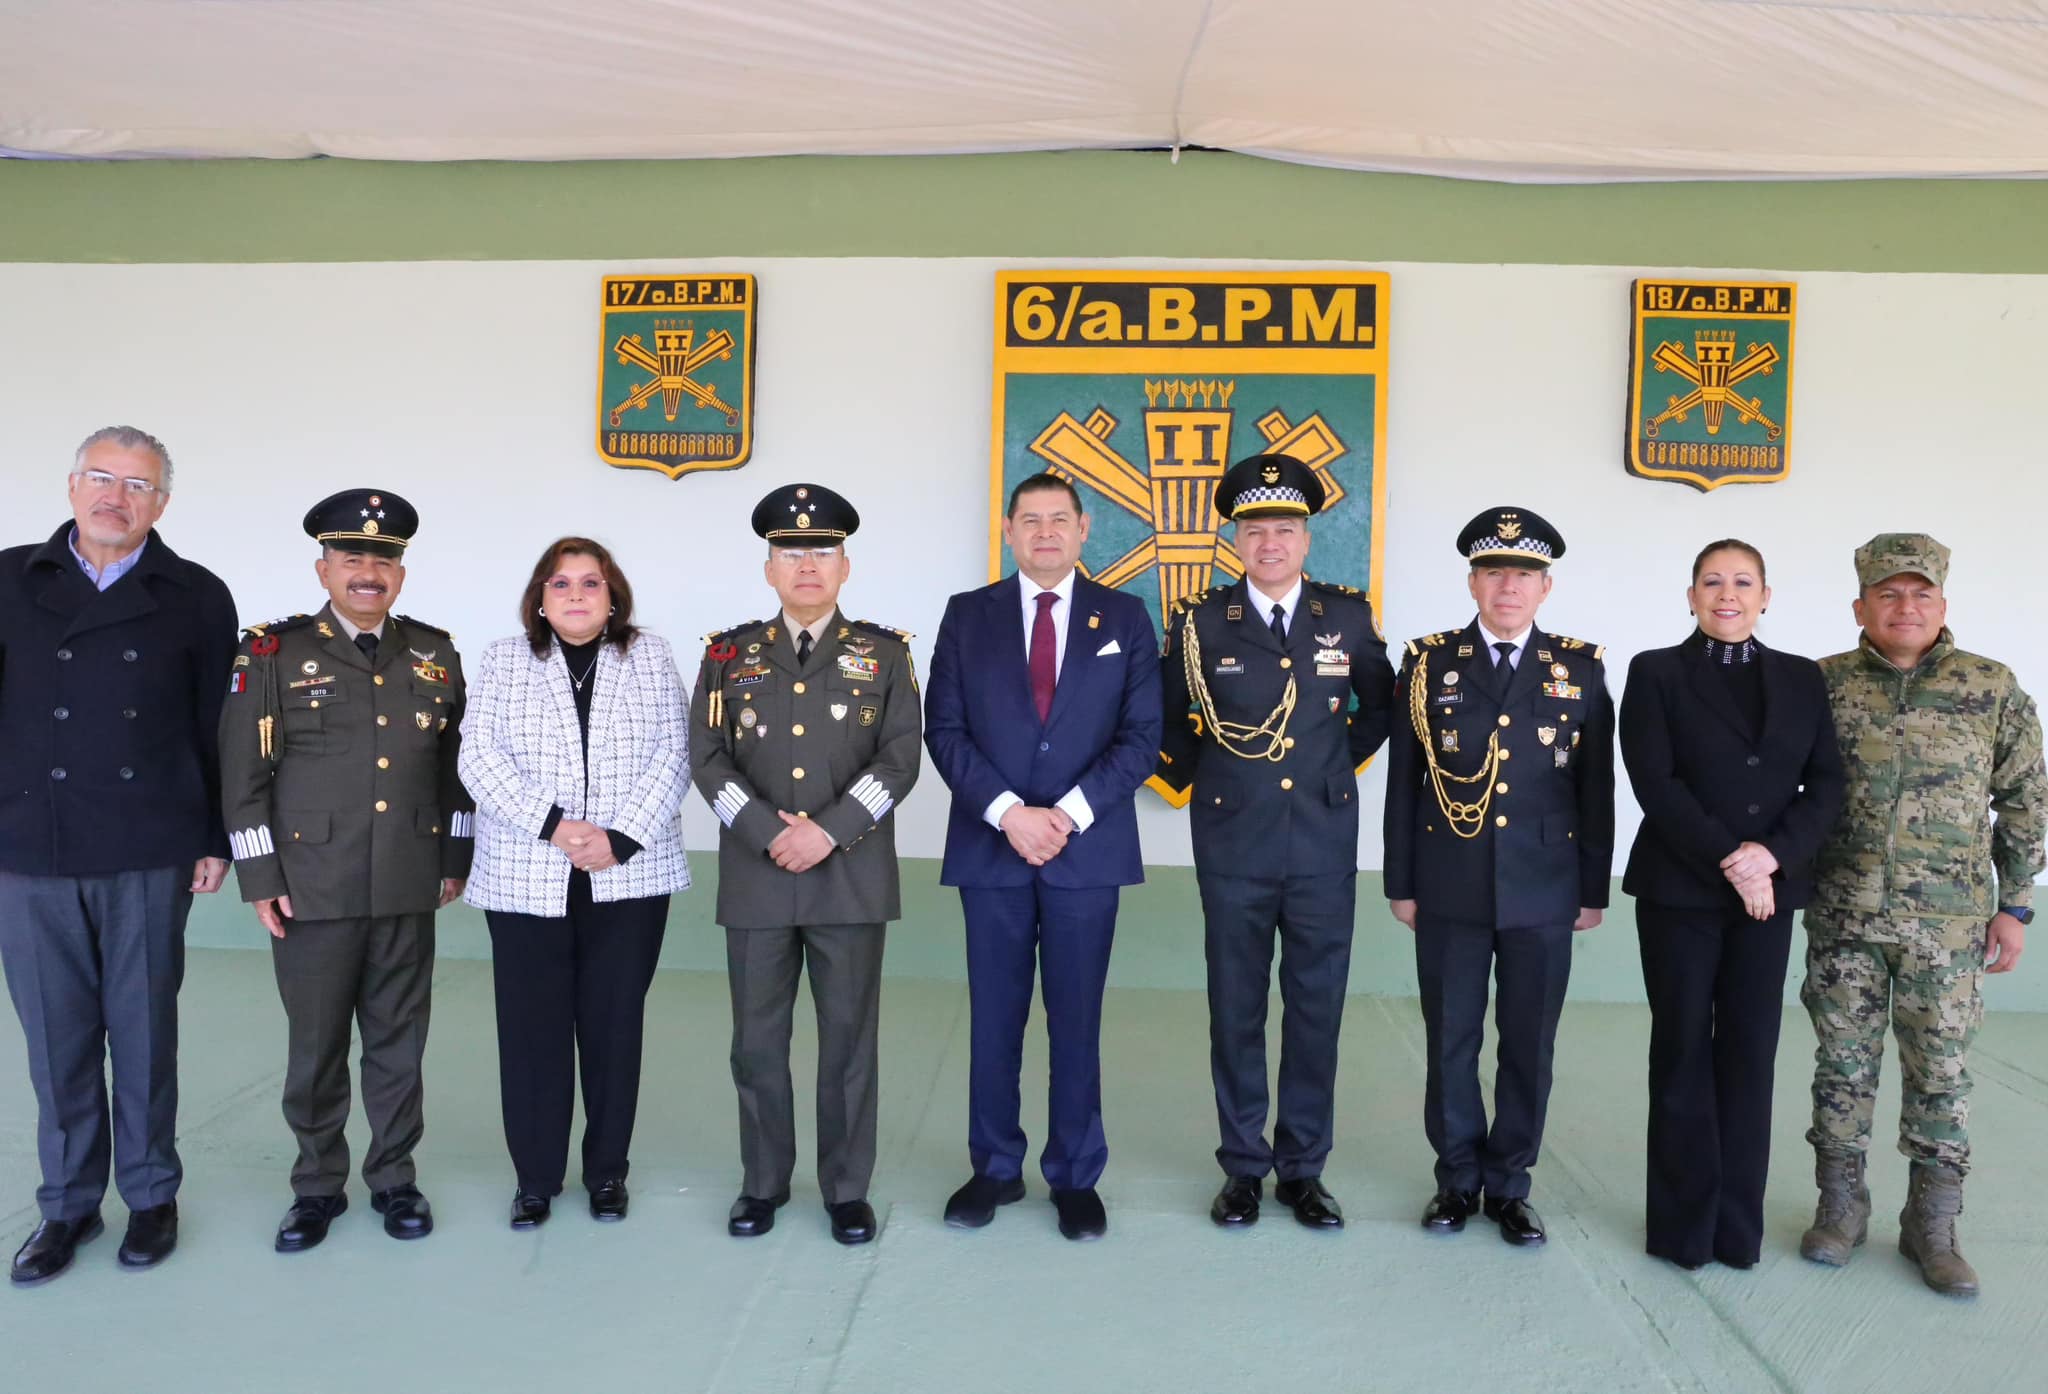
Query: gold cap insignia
1510	527
370	528
1270	474
803	520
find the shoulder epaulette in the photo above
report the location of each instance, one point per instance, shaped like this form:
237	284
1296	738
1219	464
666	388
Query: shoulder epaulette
1334	587
1189	602
1565	641
901	636
1430	641
412	623
278	626
728	634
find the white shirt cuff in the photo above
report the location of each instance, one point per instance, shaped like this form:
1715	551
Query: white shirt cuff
1075	806
998	806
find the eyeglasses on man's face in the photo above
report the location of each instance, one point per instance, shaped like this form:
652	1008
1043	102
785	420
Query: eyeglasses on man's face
101	480
797	556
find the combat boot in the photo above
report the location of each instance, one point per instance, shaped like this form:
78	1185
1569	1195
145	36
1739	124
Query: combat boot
1842	1219
1927	1230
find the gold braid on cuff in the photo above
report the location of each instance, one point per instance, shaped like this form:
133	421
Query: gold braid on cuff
1467	820
1240	740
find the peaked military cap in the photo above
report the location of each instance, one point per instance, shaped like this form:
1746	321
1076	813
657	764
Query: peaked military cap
363	520
805	513
1510	536
1269	486
1890	553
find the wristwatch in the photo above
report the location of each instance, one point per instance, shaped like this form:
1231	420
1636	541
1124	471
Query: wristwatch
2023	913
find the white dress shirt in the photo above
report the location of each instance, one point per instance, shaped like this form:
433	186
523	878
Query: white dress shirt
352	631
1286	603
1073	803
1520	641
815	629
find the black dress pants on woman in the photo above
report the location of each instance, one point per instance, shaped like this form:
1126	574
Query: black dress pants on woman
1716	983
568	986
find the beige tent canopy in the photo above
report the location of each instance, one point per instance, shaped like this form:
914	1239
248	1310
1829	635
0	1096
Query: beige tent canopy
1527	90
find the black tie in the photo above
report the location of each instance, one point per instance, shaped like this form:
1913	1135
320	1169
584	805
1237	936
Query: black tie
1503	669
803	647
1279	624
367	642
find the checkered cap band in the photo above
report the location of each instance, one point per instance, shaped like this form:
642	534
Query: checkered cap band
1520	547
1265	496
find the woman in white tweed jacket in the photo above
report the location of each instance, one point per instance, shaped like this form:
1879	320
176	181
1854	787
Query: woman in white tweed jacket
575	745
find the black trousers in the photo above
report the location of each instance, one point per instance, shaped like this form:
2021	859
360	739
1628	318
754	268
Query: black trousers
572	989
377	976
1312	917
93	965
1716	982
1530	968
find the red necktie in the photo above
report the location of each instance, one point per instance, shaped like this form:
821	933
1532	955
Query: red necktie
1043	666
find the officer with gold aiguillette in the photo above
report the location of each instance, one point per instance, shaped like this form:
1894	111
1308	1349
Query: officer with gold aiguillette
1277	691
1499	844
350	829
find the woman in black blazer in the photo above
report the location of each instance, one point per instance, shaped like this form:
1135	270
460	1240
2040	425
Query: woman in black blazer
1731	751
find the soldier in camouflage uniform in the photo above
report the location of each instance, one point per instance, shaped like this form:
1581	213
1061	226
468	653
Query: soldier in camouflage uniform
1918	893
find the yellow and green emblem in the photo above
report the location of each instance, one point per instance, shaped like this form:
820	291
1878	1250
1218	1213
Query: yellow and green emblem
675	381
1710	382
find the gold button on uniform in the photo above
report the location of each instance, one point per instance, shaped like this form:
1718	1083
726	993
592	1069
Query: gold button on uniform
797	730
382	806
314	703
801	814
797	773
1501	822
1504	720
381	721
1286	784
796	687
383	762
378	679
1286	663
1505	753
1501	788
1287	742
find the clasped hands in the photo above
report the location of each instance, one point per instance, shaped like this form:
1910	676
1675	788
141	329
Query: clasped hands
1748	869
587	846
800	845
1037	834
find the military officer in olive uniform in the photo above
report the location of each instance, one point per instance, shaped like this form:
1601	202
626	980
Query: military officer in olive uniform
1499	844
1277	691
806	734
349	829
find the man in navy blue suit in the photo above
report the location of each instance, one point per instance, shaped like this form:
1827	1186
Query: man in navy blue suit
1043	717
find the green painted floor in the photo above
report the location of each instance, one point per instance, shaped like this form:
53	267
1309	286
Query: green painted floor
666	1301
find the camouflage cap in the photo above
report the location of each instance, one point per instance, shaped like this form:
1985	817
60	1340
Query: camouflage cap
1889	553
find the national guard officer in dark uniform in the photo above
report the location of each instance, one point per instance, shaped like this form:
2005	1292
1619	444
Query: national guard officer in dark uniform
349	829
1499	842
1288	682
805	734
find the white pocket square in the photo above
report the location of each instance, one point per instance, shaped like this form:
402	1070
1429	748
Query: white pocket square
1110	647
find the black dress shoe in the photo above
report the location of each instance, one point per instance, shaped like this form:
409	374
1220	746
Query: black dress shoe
406	1212
752	1215
974	1204
1311	1202
49	1249
152	1234
1448	1210
1739	1264
1519	1223
1081	1213
1237	1204
305	1224
608	1200
853	1221
530	1211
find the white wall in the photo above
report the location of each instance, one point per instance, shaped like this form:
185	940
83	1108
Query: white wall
469	388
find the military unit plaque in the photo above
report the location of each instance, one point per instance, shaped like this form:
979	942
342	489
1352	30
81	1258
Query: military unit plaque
1710	382
675	383
1142	387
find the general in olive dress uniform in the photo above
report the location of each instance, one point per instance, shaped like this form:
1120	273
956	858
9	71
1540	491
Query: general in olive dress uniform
349	829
